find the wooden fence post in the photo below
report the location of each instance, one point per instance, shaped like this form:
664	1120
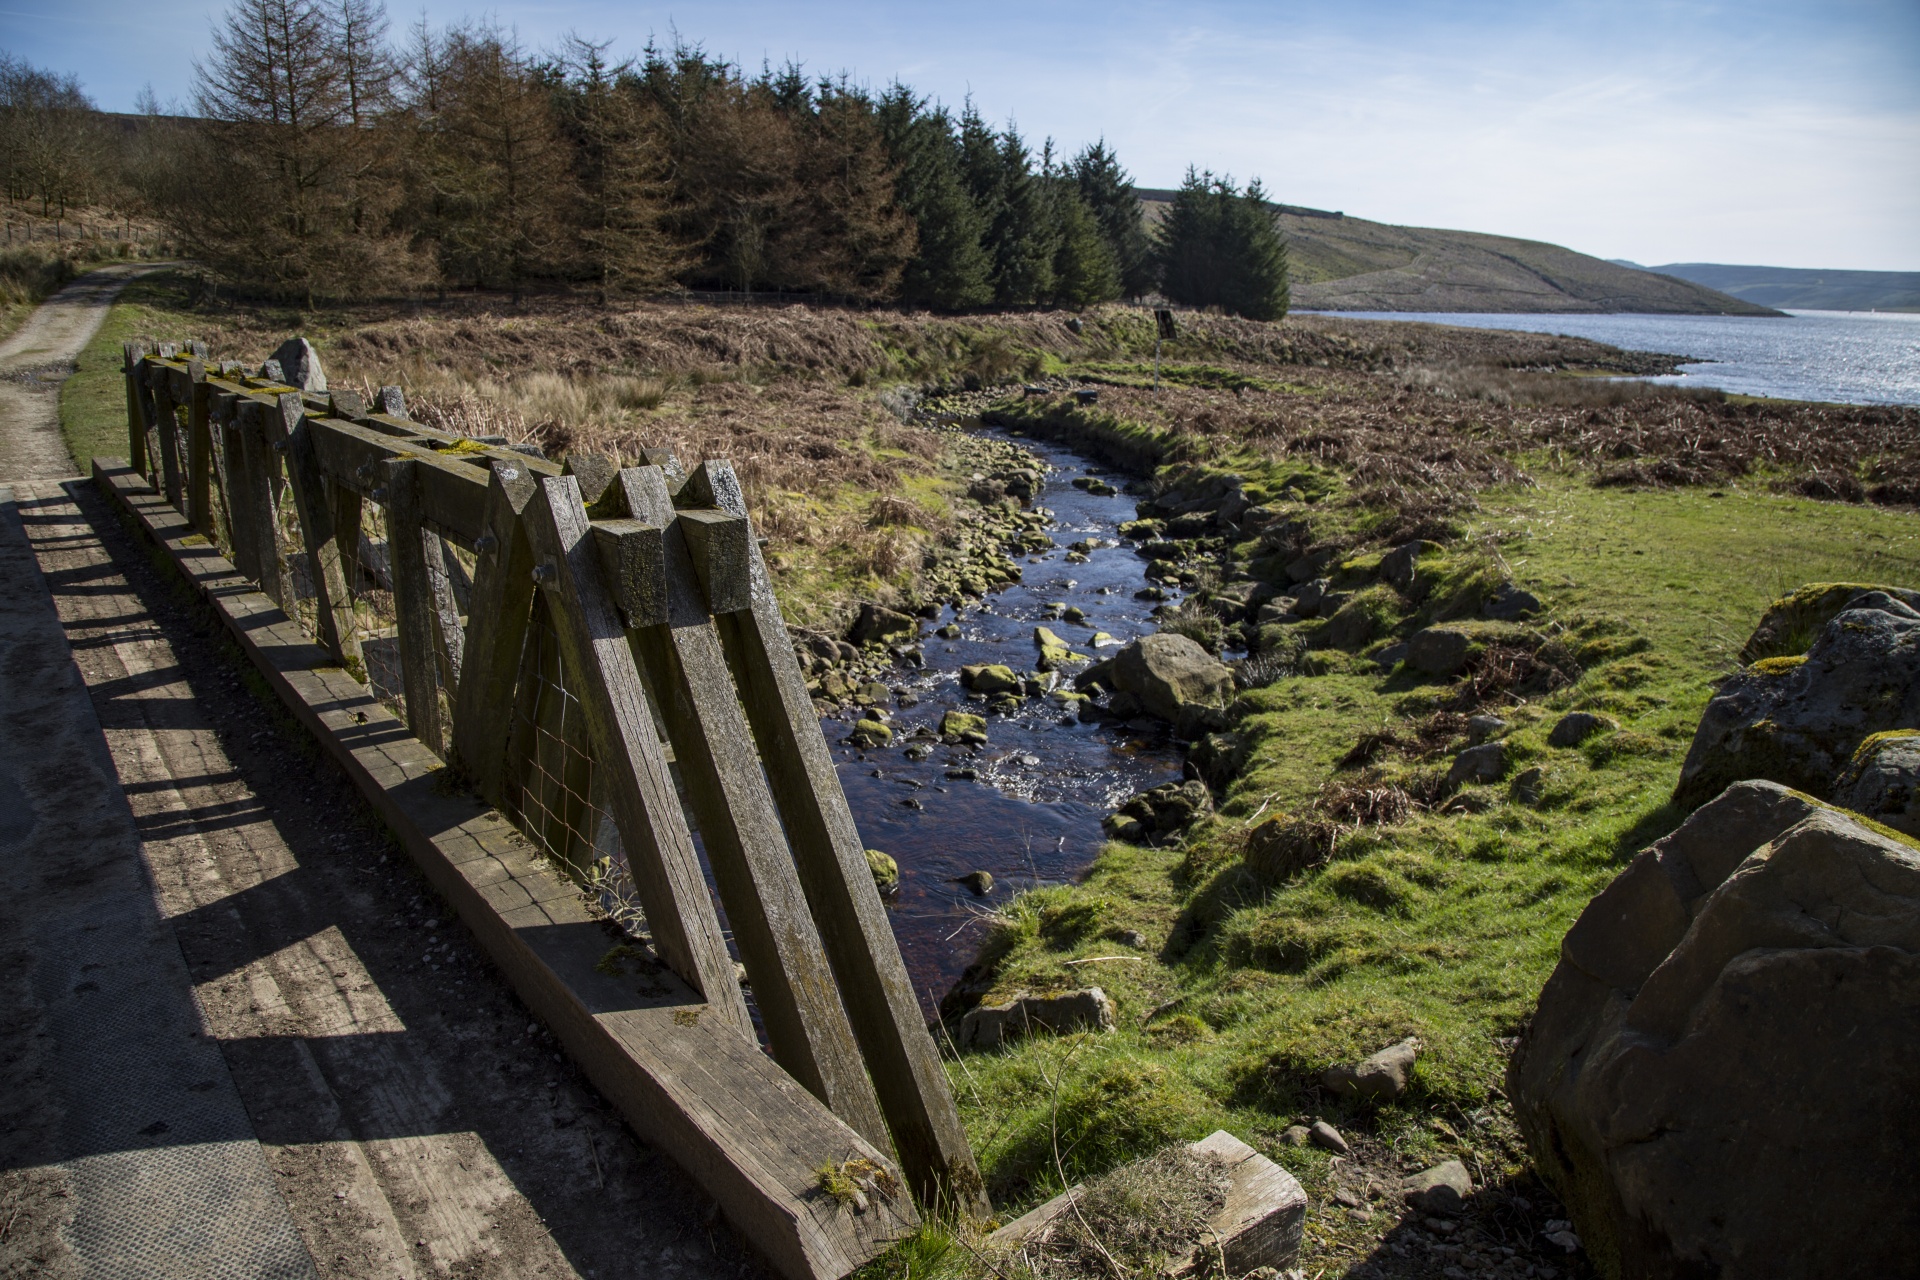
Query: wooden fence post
739	826
412	602
255	493
199	452
169	432
660	854
499	614
243	541
333	604
135	352
901	1055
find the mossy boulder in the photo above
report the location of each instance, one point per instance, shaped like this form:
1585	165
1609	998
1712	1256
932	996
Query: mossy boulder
1173	677
1054	652
886	872
1882	781
878	624
963	729
1791	624
869	733
1801	725
990	678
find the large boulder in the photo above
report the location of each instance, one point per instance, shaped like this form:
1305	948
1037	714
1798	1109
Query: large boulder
879	624
1883	782
300	365
1792	623
1721	1076
1798	720
1173	677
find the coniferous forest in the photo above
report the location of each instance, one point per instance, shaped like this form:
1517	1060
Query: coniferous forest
326	155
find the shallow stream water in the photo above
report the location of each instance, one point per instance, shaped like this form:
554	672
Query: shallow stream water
1045	780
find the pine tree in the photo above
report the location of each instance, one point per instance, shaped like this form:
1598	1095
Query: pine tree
621	218
949	269
498	165
1219	247
1084	272
1108	191
1021	235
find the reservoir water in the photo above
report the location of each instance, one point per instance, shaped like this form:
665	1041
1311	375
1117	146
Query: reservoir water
1843	357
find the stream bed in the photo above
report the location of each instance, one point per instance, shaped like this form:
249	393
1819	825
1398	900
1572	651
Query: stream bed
1031	814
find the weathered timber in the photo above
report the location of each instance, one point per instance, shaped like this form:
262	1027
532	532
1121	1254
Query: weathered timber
199	451
240	535
259	465
660	854
901	1056
160	393
498	617
134	352
686	1080
453	493
717	541
449	637
348	509
412	601
333	601
633	557
752	866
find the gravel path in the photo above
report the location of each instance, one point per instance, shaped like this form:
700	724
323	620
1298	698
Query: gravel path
37	359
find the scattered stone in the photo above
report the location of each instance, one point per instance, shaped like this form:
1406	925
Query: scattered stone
1883	780
869	733
1444	1188
1400	565
1297	1135
1382	1076
1054	652
1074	614
1486	763
980	882
1152	593
300	365
1439	651
1132	938
1101	640
1798	721
957	727
1325	1135
1163	810
1509	603
1576	727
872	691
990	1025
886	872
949	632
1351	627
918	751
1173	677
1769	929
990	678
1485	729
1310	597
1256	1234
1528	786
879	624
1279	609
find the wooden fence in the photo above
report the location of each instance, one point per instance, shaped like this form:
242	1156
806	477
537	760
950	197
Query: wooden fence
596	651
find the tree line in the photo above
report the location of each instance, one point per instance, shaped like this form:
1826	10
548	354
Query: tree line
327	158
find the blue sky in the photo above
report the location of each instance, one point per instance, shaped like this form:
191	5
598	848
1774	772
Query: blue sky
1779	133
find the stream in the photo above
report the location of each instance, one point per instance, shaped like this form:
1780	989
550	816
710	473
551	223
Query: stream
1031	814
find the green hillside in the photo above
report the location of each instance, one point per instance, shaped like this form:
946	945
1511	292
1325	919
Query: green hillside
1349	264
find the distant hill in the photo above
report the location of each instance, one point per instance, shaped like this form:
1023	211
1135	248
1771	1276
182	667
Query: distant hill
1350	264
1811	290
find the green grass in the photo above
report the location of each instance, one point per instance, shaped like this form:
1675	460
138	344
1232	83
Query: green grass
1444	926
93	401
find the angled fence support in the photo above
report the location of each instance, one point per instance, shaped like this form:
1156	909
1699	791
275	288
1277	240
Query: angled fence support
413	601
904	1061
332	598
199	451
680	914
499	615
727	791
